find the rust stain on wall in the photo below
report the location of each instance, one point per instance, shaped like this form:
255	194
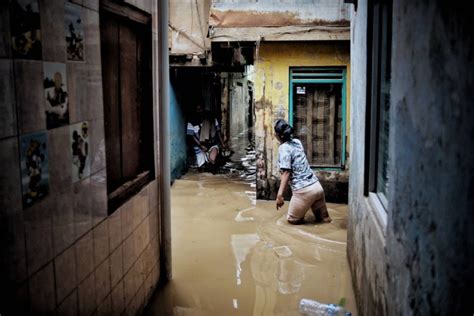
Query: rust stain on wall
263	103
272	102
235	18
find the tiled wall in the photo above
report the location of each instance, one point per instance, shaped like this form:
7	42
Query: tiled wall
64	253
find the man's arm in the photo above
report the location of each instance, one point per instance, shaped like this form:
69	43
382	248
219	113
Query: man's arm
197	142
285	178
191	133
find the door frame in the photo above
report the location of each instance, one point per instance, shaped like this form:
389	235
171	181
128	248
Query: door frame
322	75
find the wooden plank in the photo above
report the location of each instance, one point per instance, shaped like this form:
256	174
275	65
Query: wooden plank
128	189
338	128
145	99
309	120
111	88
331	128
126	11
300	123
129	96
318	123
224	102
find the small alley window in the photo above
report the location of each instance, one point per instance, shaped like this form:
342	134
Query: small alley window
128	112
317	111
378	98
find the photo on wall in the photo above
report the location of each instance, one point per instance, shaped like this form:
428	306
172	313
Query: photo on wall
74	32
79	136
34	167
25	29
55	90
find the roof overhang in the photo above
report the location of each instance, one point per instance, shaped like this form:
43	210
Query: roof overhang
283	21
284	33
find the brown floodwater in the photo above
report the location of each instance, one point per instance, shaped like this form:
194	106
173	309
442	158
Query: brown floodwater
233	255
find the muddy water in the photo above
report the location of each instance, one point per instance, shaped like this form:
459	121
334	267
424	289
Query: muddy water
235	256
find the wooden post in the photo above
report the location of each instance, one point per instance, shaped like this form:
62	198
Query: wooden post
309	125
331	129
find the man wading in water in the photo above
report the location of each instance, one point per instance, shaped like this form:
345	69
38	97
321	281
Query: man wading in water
295	169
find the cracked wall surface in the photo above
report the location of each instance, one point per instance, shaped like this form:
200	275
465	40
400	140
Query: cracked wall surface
418	261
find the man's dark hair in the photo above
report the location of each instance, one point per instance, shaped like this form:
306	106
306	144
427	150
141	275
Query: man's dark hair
283	130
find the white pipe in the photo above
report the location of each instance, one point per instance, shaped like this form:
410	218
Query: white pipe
163	134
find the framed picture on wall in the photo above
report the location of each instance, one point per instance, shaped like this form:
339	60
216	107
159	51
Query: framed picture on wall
79	136
74	29
25	29
34	167
55	91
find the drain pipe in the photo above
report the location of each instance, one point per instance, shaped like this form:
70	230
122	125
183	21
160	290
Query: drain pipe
164	146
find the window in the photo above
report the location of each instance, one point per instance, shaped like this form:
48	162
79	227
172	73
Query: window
128	111
317	113
378	98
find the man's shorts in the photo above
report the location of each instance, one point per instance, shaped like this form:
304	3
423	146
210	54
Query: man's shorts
303	199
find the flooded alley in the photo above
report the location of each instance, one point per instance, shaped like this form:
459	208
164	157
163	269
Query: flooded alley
233	255
147	144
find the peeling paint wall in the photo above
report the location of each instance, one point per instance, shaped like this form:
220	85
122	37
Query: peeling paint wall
272	66
275	13
278	20
235	110
178	149
366	236
420	261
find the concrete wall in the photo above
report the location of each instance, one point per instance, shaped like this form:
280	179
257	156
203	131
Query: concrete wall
235	109
178	150
417	261
238	105
366	231
64	253
231	13
272	67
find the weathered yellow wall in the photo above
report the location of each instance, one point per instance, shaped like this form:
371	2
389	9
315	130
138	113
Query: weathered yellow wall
272	68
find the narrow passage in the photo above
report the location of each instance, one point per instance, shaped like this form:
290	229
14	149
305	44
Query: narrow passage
233	255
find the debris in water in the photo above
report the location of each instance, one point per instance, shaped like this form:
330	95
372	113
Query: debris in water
244	165
282	251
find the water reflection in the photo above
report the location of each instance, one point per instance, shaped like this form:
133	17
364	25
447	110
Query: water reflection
235	256
240	215
290	275
241	245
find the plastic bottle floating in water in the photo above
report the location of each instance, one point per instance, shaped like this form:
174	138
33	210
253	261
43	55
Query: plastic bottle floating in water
314	308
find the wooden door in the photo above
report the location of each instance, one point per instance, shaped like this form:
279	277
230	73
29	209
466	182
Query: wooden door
128	114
